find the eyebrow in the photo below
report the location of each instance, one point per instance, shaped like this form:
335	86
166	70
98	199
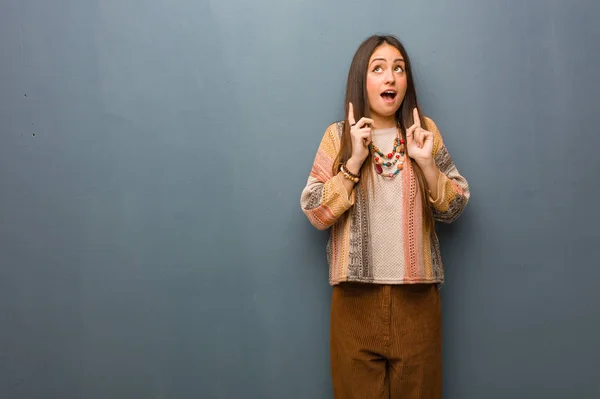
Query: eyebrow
383	59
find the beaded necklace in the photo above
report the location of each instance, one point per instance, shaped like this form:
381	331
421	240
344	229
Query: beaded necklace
390	160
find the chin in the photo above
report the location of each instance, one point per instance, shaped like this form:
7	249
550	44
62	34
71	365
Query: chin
387	111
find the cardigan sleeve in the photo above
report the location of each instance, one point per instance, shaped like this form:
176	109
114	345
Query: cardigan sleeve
324	198
453	192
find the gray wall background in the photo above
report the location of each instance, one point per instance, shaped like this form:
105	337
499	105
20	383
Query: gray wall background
152	155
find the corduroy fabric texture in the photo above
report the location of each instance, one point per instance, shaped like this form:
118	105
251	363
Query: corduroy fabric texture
386	341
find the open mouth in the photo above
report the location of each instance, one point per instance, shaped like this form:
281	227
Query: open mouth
389	96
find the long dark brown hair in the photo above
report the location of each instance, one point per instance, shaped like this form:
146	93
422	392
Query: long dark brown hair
356	93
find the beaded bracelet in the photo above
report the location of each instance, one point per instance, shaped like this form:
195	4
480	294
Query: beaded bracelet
349	175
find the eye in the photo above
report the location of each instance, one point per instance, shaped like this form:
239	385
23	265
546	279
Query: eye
377	68
398	68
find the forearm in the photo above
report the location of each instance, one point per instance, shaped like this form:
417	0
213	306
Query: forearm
432	175
327	194
449	193
353	165
448	189
324	201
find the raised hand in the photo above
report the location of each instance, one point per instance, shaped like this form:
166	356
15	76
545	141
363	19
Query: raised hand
360	133
419	142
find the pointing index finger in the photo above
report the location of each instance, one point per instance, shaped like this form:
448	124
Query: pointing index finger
351	119
417	120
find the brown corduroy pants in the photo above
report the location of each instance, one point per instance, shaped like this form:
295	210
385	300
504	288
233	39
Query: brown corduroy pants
386	341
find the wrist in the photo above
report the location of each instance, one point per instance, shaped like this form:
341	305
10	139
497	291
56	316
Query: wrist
353	164
427	165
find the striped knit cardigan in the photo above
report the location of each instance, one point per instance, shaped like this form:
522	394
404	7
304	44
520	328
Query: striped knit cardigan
327	204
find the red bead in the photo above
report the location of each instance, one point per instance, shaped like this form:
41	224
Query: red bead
377	159
402	141
398	156
391	175
390	155
379	169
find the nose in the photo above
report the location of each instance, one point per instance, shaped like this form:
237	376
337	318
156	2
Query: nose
389	76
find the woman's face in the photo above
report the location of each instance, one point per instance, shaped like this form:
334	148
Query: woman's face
386	84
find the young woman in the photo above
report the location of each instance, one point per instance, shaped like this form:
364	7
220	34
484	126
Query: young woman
379	181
